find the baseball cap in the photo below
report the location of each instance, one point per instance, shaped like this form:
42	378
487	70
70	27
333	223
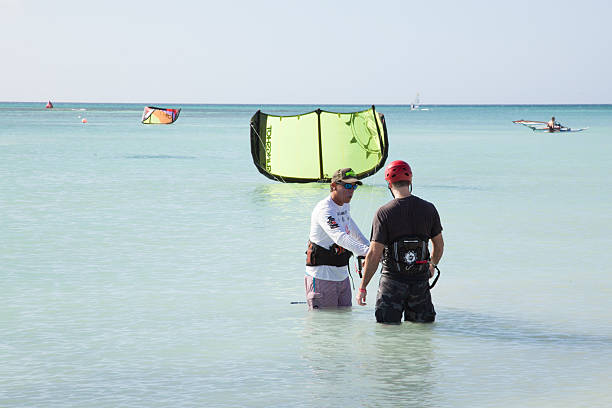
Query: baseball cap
346	175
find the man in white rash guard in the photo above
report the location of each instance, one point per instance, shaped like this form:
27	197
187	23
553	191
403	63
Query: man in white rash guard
334	237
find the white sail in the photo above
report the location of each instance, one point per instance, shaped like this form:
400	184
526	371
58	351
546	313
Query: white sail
416	105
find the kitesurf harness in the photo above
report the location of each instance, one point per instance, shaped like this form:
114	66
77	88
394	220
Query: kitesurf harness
334	256
408	256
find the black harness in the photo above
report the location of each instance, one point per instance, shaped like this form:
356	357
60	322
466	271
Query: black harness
408	256
334	256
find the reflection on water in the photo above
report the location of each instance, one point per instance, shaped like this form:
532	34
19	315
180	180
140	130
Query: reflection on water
282	193
400	363
390	364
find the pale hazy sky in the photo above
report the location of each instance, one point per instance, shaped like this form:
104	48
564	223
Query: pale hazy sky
314	52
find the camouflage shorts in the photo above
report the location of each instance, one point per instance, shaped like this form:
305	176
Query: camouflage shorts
412	299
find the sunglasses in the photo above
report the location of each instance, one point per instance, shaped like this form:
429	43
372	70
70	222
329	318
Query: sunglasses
349	186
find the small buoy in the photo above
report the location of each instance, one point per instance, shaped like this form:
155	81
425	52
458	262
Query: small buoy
84	120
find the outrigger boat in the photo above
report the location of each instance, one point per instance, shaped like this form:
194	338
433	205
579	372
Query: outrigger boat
538	126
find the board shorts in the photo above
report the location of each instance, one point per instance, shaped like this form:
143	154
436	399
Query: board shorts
412	299
325	293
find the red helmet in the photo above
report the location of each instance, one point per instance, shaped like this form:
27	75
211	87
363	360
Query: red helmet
398	170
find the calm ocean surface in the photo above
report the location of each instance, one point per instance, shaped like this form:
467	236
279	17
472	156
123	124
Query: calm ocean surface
154	266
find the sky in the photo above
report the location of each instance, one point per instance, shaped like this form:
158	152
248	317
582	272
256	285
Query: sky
307	52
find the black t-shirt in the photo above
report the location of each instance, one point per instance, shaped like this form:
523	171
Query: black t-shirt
408	216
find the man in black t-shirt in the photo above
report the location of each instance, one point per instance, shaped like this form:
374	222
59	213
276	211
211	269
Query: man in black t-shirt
401	231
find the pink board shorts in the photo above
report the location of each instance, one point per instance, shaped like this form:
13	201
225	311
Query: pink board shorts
324	293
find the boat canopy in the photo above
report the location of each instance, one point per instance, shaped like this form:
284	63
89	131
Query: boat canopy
310	147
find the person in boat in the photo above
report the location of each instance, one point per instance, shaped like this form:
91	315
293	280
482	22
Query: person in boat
334	237
401	231
553	125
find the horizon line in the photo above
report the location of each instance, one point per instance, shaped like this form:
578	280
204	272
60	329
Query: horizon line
322	104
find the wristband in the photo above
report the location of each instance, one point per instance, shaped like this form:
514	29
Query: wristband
362	290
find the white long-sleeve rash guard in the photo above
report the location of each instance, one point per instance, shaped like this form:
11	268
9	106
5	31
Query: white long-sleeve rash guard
331	223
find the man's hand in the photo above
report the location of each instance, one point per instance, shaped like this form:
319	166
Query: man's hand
361	297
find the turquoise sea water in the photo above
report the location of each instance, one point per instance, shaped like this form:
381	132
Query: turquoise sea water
153	266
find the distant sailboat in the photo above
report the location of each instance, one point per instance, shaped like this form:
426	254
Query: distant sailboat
49	105
416	105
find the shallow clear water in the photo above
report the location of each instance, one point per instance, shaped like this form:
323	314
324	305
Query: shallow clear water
154	265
